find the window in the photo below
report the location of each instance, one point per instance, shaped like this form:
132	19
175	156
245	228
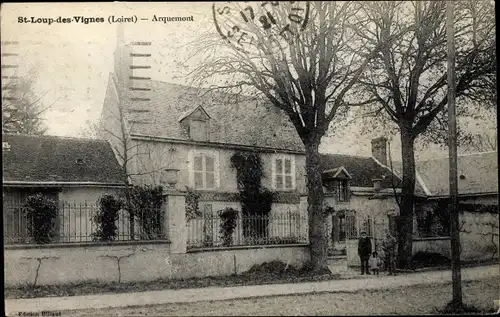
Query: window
284	173
434	223
198	130
342	190
204	171
366	225
351	230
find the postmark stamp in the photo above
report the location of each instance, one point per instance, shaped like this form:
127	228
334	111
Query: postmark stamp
248	25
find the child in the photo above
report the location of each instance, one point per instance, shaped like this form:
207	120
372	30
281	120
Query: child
375	263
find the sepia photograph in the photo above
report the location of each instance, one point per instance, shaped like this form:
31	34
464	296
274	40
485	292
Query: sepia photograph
257	158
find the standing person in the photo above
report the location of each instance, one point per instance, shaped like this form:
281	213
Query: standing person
389	247
364	252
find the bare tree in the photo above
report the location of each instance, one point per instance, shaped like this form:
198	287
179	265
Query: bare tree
484	142
408	76
90	130
138	159
304	59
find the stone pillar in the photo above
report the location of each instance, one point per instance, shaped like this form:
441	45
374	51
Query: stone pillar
304	218
174	204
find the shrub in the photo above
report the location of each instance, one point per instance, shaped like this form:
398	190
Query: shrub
429	259
451	308
275	268
229	217
106	217
41	213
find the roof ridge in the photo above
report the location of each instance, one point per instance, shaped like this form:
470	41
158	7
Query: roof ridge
55	137
348	155
458	156
476	153
207	90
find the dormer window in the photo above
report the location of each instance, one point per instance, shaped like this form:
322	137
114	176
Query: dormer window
196	124
342	190
337	180
198	130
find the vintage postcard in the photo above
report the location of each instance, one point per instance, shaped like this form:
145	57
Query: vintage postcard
249	158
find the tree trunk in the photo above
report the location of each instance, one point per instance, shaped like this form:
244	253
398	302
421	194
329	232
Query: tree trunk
405	223
317	238
130	210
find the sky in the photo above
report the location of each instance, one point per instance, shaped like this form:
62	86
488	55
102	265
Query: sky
72	61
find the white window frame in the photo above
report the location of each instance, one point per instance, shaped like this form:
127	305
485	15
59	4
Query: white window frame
275	173
213	154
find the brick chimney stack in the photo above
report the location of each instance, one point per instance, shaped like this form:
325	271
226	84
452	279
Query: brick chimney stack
379	149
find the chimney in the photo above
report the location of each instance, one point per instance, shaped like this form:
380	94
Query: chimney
377	184
379	150
122	62
132	67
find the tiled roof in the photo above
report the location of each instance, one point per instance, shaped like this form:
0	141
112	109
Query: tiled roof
361	169
59	159
480	173
397	167
242	121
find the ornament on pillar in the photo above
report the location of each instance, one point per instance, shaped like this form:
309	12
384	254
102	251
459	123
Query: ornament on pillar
170	176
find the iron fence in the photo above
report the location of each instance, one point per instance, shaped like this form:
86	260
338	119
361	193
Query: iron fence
282	228
76	222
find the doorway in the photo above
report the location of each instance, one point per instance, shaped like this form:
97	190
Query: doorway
342	223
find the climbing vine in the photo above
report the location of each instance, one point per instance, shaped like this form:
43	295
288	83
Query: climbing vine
192	204
256	201
146	202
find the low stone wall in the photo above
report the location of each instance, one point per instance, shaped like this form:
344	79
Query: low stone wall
478	238
439	245
133	262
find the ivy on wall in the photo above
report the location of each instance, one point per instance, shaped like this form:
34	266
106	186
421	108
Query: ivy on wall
106	218
256	201
192	204
229	217
146	202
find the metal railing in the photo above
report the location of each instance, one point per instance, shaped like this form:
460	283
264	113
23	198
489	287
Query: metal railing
282	228
75	222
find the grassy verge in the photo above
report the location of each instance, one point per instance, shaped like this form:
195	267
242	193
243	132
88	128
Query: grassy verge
266	273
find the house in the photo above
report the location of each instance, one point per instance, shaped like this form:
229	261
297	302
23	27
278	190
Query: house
155	126
359	195
478	204
361	192
65	169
